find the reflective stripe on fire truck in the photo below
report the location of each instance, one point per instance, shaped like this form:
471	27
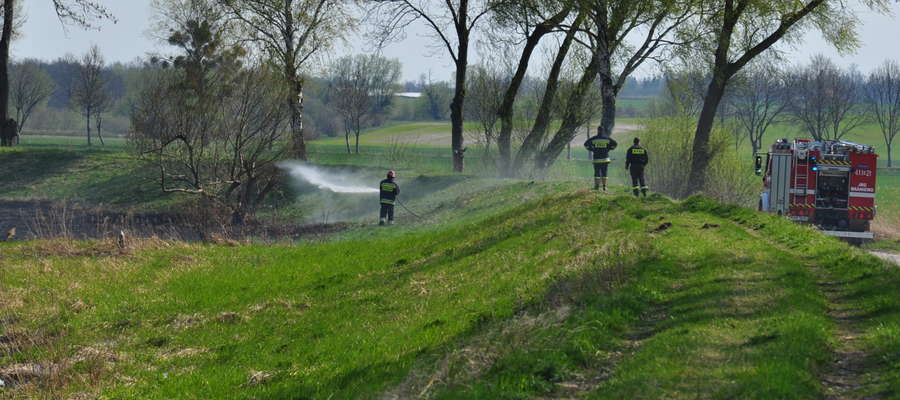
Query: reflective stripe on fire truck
803	205
861	209
800	191
863	195
833	162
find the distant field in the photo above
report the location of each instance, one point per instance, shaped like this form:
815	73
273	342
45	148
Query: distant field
437	134
72	141
54	170
639	104
413	133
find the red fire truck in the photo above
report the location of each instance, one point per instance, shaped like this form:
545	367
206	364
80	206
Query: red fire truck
830	184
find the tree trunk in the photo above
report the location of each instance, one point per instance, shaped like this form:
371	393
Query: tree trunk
700	154
608	93
505	113
88	119
99	119
295	102
347	140
8	9
608	113
890	158
542	120
357	140
21	118
456	107
570	122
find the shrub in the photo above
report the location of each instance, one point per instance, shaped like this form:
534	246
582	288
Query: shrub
669	140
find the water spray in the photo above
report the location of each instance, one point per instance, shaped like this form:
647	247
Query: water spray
332	181
326	180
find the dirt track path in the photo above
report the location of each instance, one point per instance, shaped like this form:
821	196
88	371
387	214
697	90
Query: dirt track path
845	377
892	257
582	384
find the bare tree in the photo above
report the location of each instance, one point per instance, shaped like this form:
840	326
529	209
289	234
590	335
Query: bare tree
453	23
757	101
362	87
882	92
105	102
90	95
486	87
351	100
825	99
211	128
436	98
292	32
384	78
31	86
684	89
79	12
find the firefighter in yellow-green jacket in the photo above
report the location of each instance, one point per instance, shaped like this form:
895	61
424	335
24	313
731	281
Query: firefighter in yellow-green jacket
600	146
389	190
636	159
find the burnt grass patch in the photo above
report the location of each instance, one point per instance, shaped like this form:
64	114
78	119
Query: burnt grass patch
42	219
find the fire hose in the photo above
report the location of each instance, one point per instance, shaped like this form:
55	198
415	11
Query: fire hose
408	210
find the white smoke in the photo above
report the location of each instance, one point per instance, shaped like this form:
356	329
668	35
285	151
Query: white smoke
325	180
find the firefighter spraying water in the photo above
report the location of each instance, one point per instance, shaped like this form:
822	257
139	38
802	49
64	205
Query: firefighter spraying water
830	184
346	183
389	190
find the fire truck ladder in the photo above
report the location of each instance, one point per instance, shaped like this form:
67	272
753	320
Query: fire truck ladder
801	181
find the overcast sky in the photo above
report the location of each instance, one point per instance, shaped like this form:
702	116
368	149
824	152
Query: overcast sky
45	38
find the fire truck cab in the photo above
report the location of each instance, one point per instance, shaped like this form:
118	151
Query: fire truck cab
829	184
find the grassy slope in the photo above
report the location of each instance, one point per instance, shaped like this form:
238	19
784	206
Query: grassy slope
93	175
547	298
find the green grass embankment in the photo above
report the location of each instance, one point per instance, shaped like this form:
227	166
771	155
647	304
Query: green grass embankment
108	176
570	294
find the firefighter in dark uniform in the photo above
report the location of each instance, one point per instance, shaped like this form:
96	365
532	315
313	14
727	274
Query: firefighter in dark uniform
389	192
635	160
600	146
